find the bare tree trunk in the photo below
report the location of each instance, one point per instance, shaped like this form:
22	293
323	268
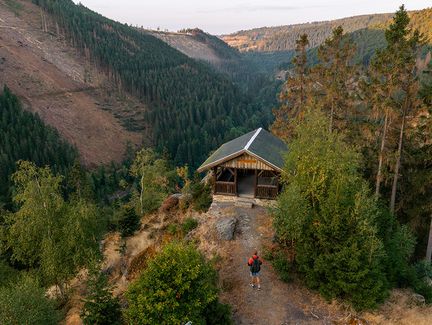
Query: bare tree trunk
381	157
42	19
331	117
429	246
398	164
141	194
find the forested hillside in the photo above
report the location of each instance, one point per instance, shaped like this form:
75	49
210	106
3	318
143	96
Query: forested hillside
283	38
54	80
274	46
249	75
192	108
25	137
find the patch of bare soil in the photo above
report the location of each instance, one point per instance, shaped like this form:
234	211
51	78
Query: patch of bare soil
243	42
68	93
189	46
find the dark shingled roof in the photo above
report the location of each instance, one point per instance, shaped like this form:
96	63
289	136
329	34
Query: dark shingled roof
259	143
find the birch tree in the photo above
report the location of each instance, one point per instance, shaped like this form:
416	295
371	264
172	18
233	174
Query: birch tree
48	234
151	174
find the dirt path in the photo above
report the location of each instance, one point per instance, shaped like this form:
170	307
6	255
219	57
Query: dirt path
277	302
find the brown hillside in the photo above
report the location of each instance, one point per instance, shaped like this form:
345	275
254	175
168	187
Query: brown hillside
189	46
63	88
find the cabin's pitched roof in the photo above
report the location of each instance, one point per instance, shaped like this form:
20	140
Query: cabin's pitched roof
259	143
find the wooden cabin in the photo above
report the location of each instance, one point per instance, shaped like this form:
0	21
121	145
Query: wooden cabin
248	166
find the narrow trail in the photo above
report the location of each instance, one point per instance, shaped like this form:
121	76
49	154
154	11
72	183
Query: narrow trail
277	302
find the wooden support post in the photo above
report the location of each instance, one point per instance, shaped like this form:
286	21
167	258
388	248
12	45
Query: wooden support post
214	179
235	182
429	246
256	182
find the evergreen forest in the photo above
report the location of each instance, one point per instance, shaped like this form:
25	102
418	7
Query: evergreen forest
25	137
192	108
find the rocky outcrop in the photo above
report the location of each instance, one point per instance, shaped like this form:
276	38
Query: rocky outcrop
226	228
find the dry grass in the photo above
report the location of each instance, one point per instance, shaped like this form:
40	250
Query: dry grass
139	262
399	309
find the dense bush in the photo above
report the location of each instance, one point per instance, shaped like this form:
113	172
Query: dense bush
218	314
178	286
7	273
201	196
196	193
25	303
281	264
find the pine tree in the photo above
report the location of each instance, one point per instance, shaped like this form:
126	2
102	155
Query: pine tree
293	97
394	88
100	307
335	78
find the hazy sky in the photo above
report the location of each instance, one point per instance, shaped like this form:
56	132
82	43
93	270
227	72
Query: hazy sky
226	16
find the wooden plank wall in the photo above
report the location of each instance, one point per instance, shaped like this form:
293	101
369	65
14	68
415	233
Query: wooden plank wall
246	161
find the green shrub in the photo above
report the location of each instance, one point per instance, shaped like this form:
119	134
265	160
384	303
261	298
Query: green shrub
100	306
424	269
177	286
201	194
398	255
418	275
283	266
25	303
189	224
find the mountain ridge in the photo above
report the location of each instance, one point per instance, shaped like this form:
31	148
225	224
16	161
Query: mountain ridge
282	38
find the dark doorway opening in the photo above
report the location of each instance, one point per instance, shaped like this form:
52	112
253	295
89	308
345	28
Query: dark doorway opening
246	182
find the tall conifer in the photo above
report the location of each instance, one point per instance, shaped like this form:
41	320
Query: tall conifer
334	78
394	91
293	97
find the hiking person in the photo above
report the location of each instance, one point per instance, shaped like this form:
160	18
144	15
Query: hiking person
254	264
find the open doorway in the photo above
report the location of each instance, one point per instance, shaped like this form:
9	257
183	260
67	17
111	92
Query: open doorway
246	183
